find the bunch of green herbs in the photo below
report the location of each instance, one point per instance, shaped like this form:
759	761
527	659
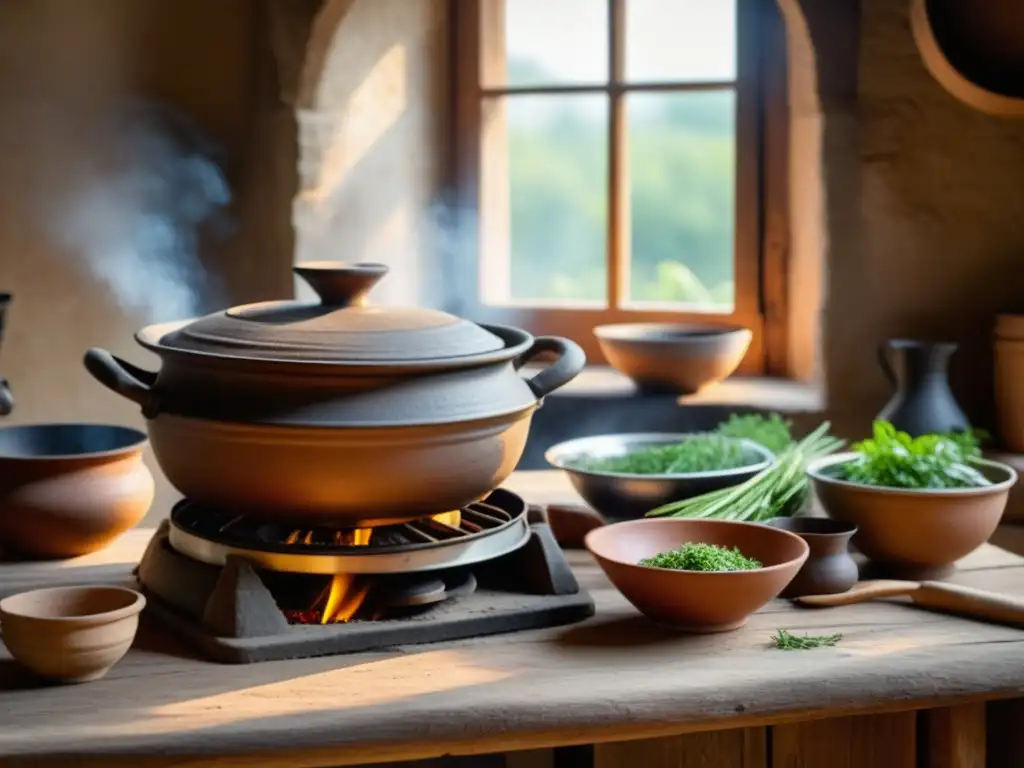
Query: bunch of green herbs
773	432
786	641
699	453
780	490
694	556
894	459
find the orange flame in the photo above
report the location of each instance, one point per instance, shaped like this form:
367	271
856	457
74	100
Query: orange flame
345	596
347	592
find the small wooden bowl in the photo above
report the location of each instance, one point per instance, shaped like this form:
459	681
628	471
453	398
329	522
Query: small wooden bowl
681	358
696	601
70	634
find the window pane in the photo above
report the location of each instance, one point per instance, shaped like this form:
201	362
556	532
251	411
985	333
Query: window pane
682	161
555	42
684	40
546	165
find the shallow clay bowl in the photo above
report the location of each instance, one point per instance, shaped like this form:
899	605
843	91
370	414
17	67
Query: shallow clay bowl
696	601
70	489
624	496
914	534
70	634
681	358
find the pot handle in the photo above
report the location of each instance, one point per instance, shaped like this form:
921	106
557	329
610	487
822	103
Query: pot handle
569	363
123	378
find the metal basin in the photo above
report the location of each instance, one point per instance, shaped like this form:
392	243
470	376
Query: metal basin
620	496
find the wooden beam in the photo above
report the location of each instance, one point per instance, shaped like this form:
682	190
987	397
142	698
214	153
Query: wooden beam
956	736
737	748
618	161
878	741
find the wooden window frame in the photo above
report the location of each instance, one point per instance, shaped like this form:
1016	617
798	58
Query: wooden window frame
761	224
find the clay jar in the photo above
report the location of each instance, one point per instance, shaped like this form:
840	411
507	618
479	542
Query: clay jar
70	489
829	569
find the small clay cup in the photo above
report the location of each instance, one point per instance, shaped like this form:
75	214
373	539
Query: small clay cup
70	634
830	569
696	601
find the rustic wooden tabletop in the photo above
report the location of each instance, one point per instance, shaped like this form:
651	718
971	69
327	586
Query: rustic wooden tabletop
611	678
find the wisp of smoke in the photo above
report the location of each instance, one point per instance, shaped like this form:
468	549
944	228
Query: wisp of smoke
451	234
138	215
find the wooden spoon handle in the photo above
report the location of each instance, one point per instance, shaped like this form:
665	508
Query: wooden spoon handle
966	601
861	592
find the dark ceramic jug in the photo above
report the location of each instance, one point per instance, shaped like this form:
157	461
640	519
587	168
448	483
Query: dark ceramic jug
923	402
829	568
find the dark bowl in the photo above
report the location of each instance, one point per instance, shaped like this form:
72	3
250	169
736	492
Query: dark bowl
620	496
681	358
696	601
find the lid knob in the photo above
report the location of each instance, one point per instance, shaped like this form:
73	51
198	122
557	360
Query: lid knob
340	283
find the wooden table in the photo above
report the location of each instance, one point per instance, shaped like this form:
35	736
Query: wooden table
903	684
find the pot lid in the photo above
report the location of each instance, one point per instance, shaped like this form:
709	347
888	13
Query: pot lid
342	327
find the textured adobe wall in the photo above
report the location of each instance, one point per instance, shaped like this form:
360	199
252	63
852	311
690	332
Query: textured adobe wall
62	66
371	111
923	226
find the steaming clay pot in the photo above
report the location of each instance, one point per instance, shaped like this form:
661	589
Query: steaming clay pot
337	410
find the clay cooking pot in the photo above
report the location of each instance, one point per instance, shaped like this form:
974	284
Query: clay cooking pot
337	411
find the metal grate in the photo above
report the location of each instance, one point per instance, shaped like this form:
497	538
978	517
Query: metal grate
497	511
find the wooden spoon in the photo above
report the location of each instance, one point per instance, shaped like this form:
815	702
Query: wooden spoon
950	598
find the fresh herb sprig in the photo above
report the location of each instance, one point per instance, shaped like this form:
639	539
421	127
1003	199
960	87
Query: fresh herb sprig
786	641
777	491
894	459
694	556
699	453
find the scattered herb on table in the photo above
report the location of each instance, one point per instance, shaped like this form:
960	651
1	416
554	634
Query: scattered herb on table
777	491
786	641
700	453
773	432
894	459
694	556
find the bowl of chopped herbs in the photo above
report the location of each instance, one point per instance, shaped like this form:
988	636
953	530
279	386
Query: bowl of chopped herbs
697	575
625	476
919	503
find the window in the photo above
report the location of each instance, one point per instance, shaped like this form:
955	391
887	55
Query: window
608	159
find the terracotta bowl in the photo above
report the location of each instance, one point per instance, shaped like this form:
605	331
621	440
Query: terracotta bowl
914	534
681	358
696	601
70	489
70	634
